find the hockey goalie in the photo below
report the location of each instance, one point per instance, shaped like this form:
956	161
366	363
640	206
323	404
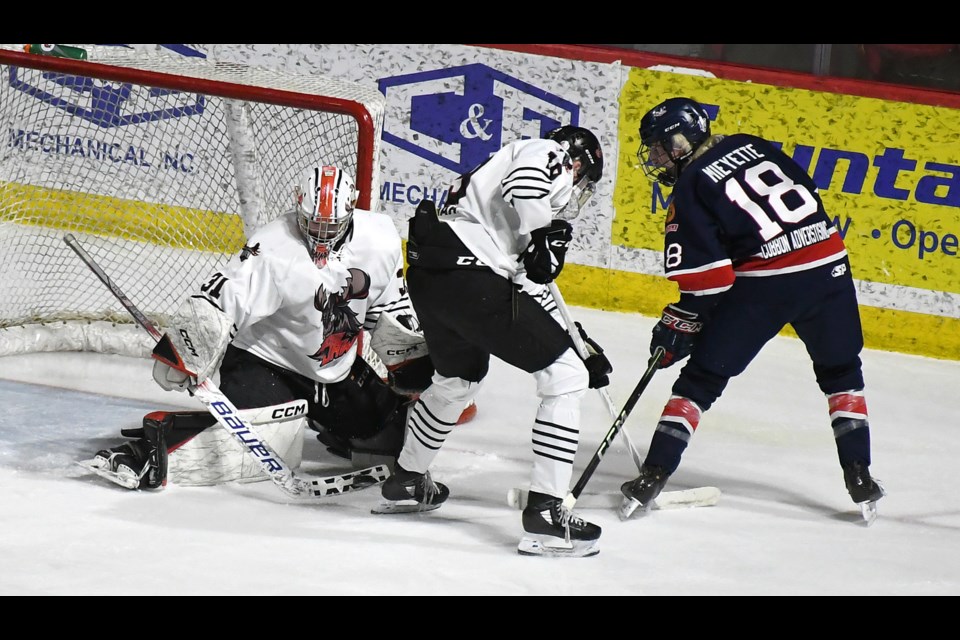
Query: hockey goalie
283	325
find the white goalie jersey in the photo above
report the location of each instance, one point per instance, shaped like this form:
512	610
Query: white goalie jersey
311	320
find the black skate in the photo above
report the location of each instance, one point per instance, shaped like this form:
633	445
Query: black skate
864	489
407	491
640	492
552	530
138	464
128	465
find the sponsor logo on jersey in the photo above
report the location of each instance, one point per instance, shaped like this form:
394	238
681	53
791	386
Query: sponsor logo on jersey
457	117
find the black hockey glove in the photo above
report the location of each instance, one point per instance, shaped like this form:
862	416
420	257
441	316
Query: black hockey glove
411	377
676	333
598	366
543	258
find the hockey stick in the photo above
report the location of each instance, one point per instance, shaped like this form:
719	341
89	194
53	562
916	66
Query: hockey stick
517	497
228	416
615	428
581	348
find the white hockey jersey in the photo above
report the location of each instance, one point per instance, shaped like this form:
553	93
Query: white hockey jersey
494	208
308	319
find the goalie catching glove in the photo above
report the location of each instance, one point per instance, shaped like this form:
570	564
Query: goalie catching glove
543	258
598	366
676	333
191	352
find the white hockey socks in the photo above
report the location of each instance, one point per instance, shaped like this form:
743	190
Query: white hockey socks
431	419
555	438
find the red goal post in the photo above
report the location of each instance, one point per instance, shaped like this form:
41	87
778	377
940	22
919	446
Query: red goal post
161	166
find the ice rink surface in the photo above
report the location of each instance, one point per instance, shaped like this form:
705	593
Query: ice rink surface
784	524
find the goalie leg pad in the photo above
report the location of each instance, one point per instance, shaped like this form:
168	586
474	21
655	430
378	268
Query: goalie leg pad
213	456
180	446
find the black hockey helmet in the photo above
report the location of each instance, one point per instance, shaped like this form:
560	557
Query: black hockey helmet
586	157
669	134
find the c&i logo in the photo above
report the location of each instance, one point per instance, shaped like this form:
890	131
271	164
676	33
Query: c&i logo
457	117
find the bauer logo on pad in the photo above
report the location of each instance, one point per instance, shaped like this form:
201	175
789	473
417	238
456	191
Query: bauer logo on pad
456	117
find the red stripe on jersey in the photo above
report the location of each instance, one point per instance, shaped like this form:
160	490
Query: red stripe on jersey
797	260
714	280
679	409
853	405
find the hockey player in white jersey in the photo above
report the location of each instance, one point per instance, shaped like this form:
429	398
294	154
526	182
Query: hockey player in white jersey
477	272
282	323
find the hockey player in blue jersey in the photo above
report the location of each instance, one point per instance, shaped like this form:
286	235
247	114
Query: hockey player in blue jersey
749	244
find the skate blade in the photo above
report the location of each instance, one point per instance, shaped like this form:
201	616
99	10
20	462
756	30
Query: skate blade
125	480
629	506
402	506
553	547
695	497
869	512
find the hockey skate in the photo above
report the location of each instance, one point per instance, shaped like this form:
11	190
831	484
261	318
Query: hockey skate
128	465
139	464
553	530
864	490
641	492
408	491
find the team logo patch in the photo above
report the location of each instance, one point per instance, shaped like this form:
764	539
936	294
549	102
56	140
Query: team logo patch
341	327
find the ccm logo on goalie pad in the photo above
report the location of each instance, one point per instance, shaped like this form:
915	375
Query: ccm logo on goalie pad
254	445
289	412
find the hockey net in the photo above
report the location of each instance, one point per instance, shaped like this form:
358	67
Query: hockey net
161	166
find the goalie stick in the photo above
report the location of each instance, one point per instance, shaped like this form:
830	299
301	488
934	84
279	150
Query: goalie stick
228	416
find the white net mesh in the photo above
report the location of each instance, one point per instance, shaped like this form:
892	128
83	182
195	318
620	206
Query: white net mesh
160	177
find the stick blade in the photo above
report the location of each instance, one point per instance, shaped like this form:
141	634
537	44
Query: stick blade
680	499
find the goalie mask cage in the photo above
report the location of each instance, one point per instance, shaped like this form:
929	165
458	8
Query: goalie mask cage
161	166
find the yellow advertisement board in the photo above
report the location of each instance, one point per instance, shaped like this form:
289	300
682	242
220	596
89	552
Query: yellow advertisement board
888	173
